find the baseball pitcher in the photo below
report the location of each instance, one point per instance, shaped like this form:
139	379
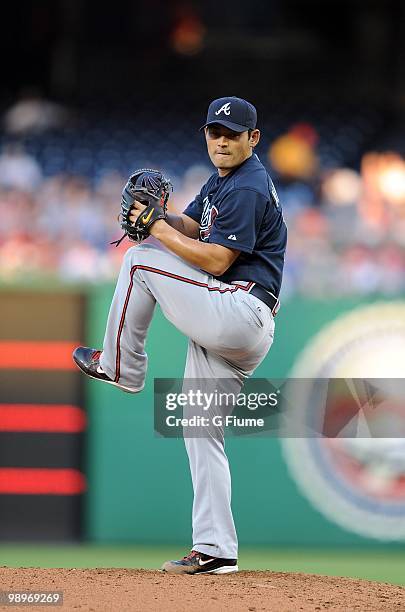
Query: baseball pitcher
218	281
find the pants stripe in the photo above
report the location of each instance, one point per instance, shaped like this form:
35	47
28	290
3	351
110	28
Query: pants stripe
121	326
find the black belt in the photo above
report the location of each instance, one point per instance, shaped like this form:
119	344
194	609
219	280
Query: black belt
268	298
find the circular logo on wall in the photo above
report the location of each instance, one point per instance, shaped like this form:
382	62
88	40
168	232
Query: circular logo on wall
356	481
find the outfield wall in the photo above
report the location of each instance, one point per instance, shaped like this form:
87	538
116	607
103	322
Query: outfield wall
140	487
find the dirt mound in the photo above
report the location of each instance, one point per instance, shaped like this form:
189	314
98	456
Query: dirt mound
119	590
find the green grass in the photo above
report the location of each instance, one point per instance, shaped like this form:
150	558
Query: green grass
381	566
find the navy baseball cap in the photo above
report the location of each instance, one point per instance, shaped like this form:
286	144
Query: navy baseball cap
234	113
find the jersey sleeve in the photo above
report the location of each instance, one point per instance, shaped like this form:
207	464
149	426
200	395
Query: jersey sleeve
195	208
238	222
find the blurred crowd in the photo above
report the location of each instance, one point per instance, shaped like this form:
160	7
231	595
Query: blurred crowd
346	224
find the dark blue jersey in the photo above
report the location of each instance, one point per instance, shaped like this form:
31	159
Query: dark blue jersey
242	211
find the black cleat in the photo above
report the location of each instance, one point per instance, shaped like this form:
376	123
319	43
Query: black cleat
199	563
88	360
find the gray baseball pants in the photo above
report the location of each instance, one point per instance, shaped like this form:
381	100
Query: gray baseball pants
230	333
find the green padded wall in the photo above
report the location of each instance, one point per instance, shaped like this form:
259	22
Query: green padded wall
140	487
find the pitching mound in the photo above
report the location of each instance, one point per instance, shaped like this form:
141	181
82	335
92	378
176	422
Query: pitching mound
119	590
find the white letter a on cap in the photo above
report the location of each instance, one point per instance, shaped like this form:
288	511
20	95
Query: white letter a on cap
226	108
